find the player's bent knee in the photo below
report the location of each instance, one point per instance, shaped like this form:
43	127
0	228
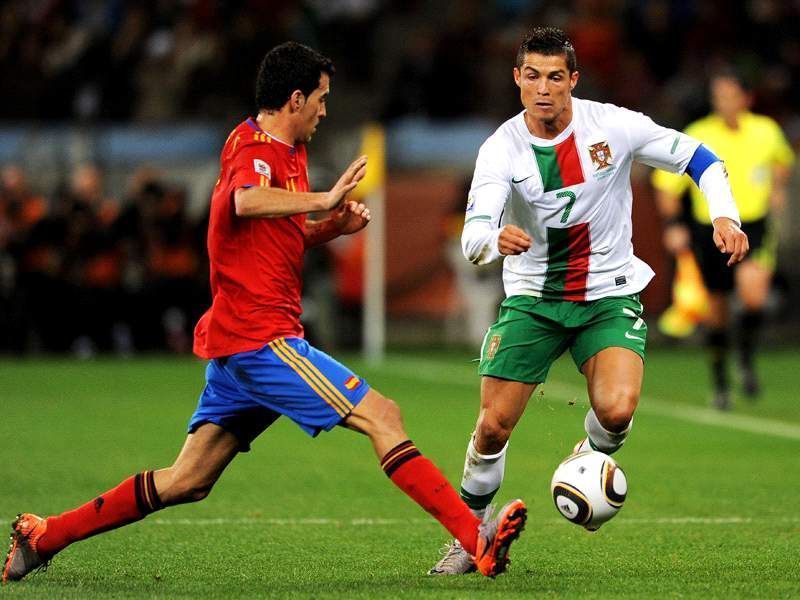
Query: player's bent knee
616	415
492	434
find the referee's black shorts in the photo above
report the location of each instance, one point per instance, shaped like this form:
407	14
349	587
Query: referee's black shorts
717	275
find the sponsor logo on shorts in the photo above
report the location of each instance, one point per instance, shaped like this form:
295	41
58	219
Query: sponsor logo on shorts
620	280
352	383
494	345
633	337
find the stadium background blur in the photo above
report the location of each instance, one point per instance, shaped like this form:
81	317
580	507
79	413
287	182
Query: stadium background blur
112	115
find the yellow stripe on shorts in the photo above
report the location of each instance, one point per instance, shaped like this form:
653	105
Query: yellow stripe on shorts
312	368
315	380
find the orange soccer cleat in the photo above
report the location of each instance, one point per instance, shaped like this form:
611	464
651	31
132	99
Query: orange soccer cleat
22	557
495	536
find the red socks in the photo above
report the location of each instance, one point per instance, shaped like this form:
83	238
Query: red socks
422	481
131	500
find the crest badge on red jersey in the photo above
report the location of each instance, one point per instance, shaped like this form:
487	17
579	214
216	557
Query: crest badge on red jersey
262	168
601	155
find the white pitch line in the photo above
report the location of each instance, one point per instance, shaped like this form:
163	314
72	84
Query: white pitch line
428	371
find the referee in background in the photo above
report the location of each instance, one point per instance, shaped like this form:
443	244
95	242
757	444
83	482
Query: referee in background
758	160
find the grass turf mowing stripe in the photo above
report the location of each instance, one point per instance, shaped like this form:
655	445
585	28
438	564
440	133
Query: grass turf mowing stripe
432	371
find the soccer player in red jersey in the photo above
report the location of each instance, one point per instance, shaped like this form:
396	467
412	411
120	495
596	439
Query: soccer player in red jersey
260	367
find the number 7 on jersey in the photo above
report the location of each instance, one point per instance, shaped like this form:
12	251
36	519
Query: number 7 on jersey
568	207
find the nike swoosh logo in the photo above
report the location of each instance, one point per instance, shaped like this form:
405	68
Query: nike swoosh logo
521	180
633	337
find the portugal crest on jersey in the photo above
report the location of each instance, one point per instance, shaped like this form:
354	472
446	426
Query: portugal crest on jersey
601	155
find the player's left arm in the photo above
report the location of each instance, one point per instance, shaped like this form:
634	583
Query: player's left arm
782	161
348	218
665	148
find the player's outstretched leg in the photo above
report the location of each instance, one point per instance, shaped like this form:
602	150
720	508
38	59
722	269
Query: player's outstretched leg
34	541
421	480
483	475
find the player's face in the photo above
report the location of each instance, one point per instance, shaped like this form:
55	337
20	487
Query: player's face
545	85
728	98
314	109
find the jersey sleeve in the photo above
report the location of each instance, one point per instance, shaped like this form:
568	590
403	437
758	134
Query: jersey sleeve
657	146
252	166
491	187
782	152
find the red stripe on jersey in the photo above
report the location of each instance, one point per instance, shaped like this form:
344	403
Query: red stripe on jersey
569	163
577	263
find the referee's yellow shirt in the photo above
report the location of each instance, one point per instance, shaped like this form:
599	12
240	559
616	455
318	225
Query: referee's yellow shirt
749	153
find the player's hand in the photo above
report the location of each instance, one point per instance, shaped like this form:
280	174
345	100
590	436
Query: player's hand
350	217
676	238
513	240
730	239
349	179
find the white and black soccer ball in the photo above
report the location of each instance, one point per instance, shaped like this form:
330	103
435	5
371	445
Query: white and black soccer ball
589	488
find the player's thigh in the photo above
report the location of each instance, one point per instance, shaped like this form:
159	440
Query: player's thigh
526	339
379	418
204	456
292	378
752	284
614	322
614	381
225	403
502	404
207	452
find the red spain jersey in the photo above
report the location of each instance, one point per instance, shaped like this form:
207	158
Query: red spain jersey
256	264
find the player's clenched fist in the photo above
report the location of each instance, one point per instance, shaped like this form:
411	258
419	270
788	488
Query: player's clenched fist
730	239
513	240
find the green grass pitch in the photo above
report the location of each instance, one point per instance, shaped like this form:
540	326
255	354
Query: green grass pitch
711	510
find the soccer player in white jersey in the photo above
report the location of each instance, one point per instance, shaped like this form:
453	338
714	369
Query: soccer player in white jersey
551	195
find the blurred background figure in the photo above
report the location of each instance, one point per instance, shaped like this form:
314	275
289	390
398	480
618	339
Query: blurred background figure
113	113
758	160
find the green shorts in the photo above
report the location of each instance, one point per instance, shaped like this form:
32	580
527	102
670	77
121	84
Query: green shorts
531	333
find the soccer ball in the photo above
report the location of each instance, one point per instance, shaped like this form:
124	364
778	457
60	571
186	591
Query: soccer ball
589	488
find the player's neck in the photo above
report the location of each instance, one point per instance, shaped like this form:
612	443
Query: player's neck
276	125
548	130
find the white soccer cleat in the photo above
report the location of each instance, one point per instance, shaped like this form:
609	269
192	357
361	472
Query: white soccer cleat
456	561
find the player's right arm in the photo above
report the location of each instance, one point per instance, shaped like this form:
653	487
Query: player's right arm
482	239
270	202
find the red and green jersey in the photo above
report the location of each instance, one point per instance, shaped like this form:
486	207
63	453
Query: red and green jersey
256	264
572	195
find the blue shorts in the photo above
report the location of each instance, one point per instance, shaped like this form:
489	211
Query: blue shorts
246	392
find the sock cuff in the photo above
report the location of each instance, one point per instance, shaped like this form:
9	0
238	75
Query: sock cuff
147	499
485	457
398	456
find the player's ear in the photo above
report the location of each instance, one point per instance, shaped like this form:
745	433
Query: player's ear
297	100
573	80
517	75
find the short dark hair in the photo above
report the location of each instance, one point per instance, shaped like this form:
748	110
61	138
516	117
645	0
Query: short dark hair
549	41
286	68
734	73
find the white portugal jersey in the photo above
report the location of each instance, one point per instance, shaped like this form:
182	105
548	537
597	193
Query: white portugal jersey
572	195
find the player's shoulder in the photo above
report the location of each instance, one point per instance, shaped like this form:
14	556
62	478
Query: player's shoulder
507	135
247	138
605	114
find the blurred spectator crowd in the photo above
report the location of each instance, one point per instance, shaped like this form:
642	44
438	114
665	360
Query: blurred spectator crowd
84	273
151	61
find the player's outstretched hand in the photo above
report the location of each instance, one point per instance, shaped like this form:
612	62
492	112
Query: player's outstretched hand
513	240
351	217
730	239
349	179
